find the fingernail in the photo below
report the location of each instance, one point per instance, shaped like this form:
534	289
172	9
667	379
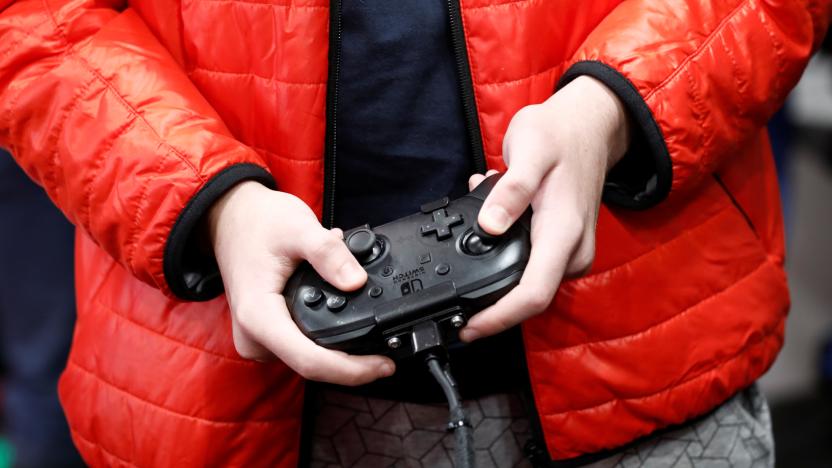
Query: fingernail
496	217
468	335
387	369
349	272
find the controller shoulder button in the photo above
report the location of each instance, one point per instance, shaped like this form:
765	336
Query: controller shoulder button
430	207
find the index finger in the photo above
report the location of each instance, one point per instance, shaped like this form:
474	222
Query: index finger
279	333
551	249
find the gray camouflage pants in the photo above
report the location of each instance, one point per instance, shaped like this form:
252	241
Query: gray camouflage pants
354	431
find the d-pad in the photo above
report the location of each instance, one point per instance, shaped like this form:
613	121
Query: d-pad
441	224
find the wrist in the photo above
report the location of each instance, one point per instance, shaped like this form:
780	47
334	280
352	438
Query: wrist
617	120
600	112
224	210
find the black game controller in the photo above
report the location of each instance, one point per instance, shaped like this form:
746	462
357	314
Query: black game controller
428	273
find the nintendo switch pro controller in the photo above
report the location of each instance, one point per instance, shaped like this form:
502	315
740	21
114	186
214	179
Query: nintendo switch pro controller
428	273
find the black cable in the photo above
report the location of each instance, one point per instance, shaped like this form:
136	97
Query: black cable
458	422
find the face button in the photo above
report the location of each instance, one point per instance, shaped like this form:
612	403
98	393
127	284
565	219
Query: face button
312	296
375	291
363	244
441	224
335	302
442	269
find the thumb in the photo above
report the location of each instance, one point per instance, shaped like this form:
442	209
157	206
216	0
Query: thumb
331	258
509	198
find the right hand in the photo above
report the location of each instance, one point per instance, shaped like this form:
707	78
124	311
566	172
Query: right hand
259	237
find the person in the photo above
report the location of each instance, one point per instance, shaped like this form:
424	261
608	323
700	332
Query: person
37	310
198	146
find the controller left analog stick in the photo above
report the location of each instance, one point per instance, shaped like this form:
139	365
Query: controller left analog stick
362	244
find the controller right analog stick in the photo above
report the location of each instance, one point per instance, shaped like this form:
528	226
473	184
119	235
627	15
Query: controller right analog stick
484	236
475	244
478	242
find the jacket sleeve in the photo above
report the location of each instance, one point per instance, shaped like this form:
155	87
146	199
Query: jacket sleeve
99	114
698	78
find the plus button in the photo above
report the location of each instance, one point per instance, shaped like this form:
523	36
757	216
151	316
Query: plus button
441	224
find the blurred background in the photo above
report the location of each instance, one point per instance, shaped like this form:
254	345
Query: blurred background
37	314
799	385
36	326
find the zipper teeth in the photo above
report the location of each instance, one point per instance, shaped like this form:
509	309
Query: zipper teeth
469	106
335	124
332	105
466	86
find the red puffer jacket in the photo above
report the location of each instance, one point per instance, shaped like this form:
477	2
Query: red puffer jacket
134	118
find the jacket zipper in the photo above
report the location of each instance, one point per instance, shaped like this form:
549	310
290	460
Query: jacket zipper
307	431
334	72
535	447
466	86
472	125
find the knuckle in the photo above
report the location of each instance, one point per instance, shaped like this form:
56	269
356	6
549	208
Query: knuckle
525	124
499	323
244	315
325	245
582	262
303	215
504	324
537	303
245	351
537	299
573	226
352	379
520	187
308	371
526	113
294	203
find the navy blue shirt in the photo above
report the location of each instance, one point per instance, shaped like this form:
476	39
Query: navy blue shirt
402	140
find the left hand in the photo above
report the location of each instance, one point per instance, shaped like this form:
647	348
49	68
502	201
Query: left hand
558	154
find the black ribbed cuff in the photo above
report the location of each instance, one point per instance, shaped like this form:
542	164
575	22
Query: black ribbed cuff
642	178
191	274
